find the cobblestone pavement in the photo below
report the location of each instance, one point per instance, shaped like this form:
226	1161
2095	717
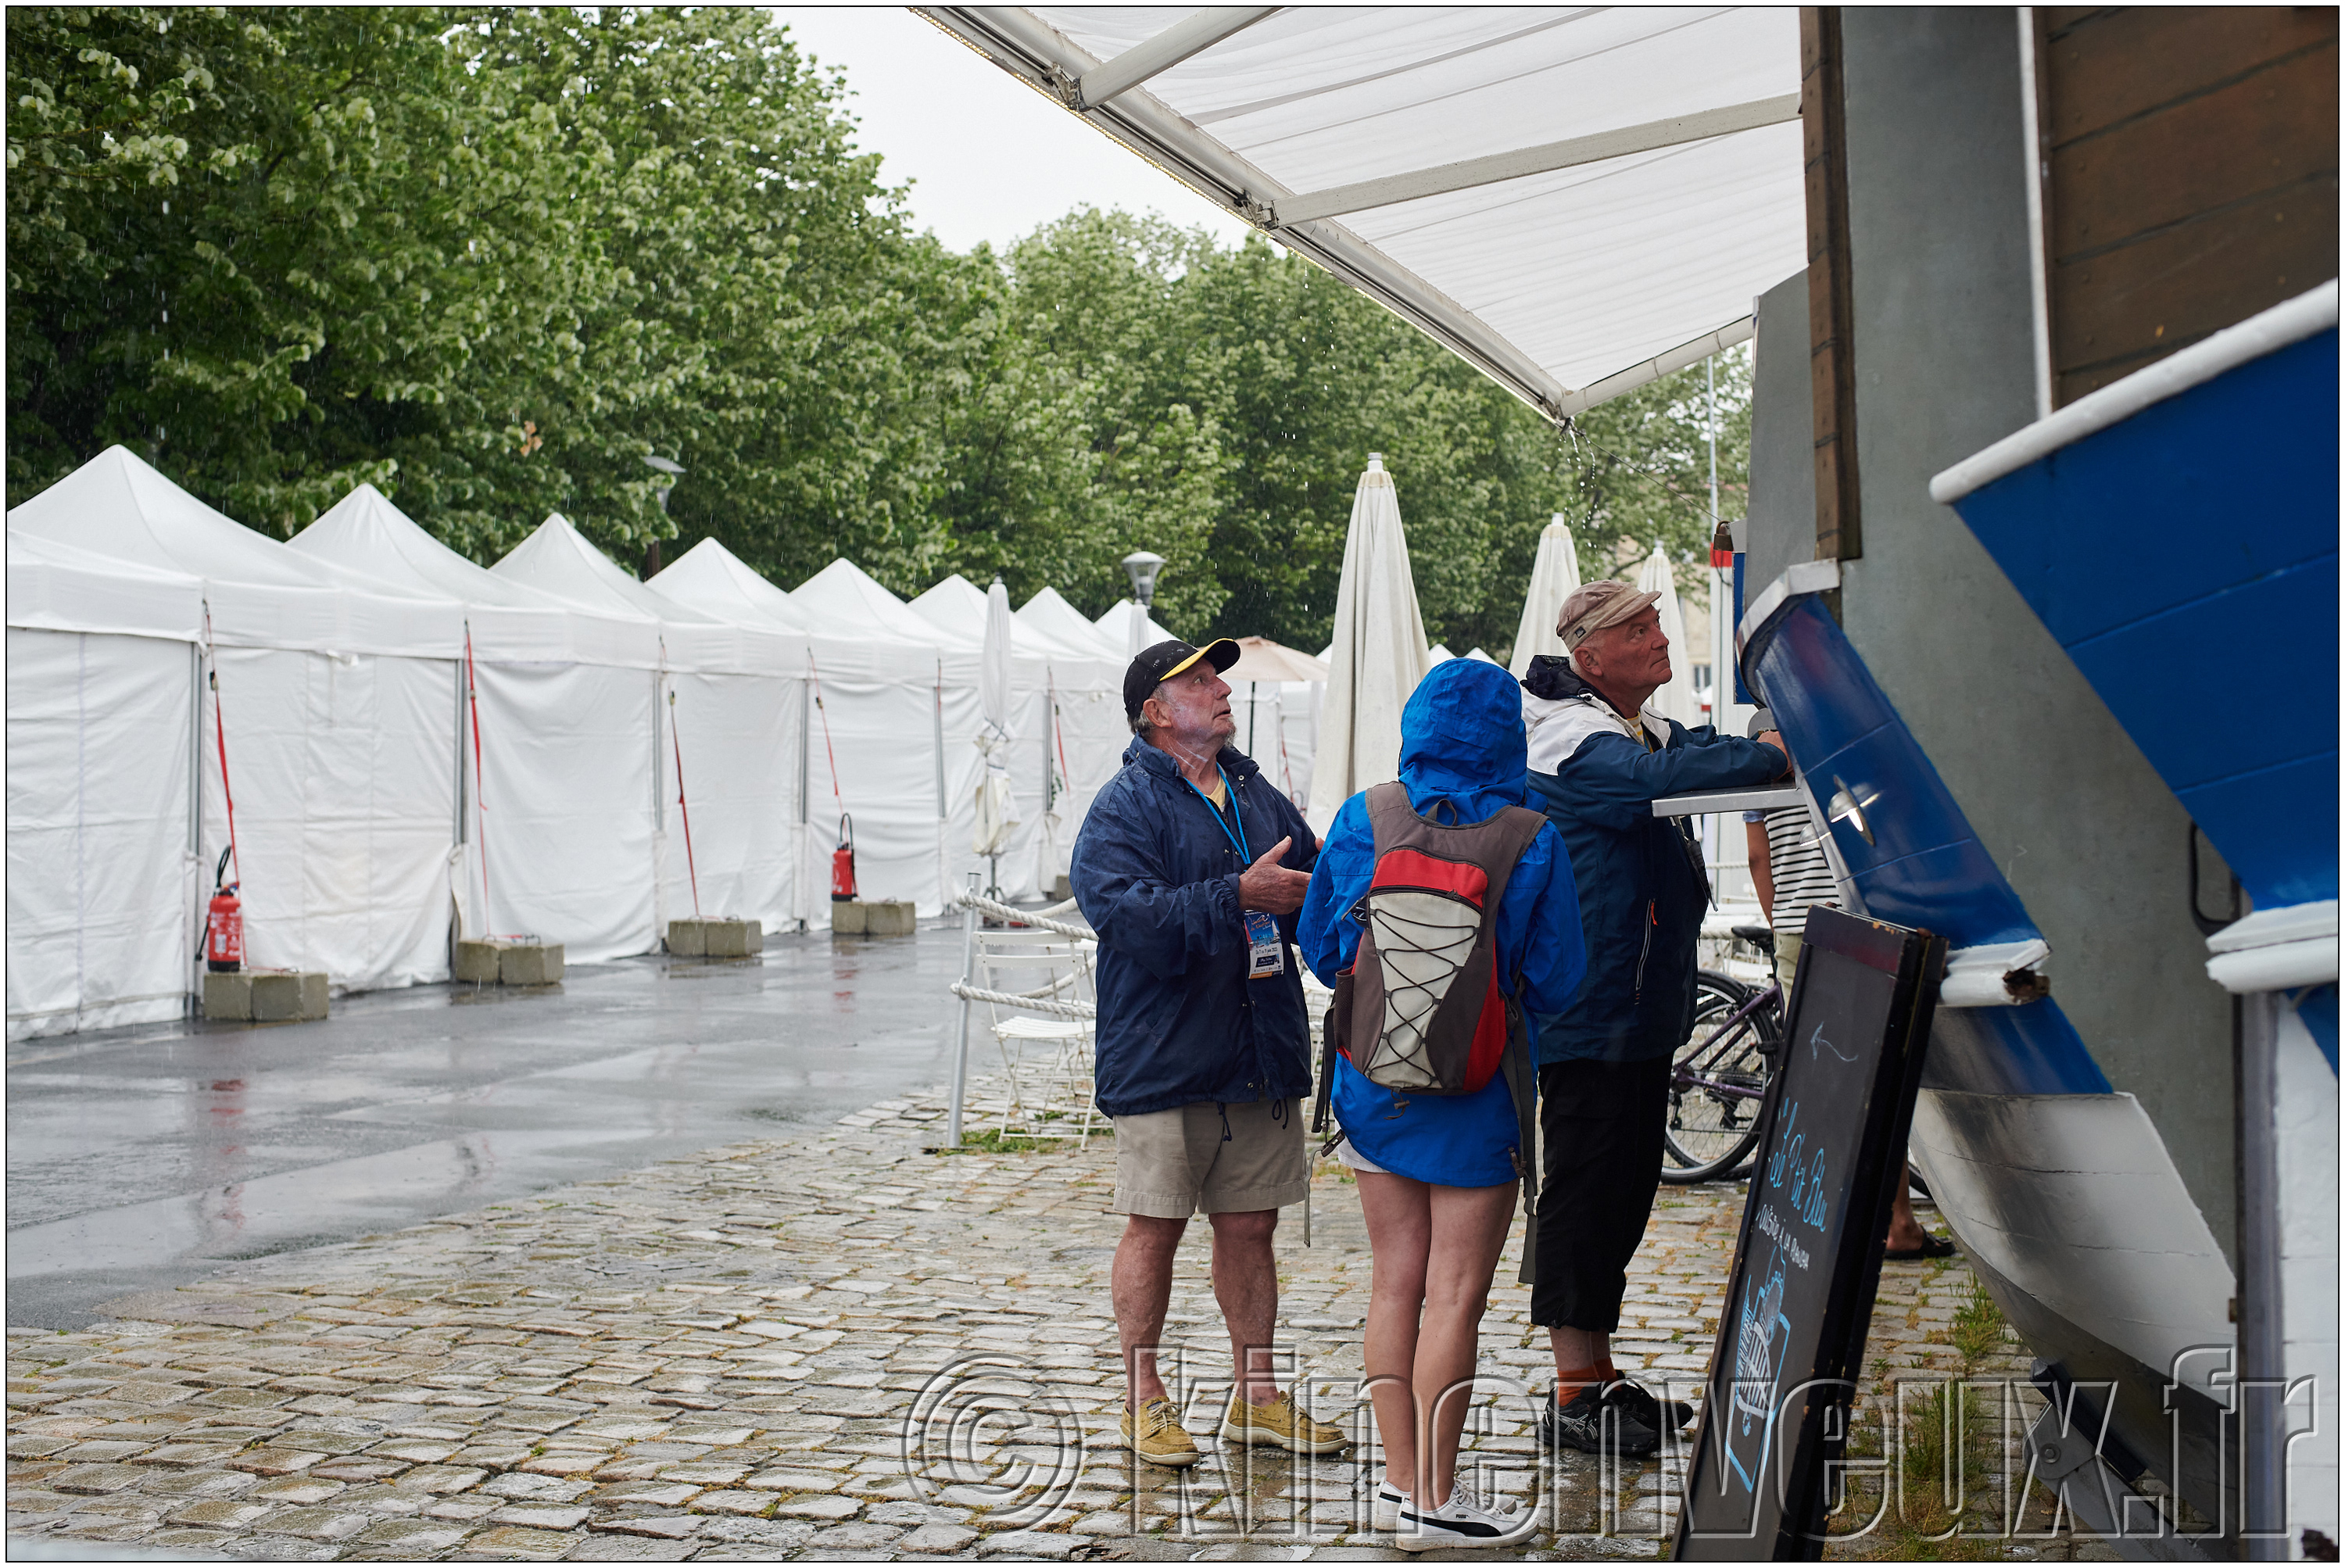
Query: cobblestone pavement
834	1343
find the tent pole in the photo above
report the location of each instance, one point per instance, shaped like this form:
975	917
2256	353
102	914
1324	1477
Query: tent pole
195	813
806	830
967	975
944	872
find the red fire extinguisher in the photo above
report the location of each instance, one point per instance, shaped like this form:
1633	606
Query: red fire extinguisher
224	924
842	862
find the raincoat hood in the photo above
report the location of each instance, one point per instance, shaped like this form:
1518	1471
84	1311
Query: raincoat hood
1461	737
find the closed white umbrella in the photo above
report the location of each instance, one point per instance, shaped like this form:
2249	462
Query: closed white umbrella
1554	574
1677	699
1379	655
995	809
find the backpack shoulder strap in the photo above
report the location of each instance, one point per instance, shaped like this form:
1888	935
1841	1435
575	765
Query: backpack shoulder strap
1389	813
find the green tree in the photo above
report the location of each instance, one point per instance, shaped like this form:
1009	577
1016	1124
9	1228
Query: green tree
487	260
1640	469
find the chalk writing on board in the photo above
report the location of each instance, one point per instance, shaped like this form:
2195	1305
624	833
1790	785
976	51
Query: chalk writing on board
1818	1044
1774	1228
1800	1173
1760	1339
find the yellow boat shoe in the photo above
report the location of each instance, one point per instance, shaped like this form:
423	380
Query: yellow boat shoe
1280	1424
1156	1434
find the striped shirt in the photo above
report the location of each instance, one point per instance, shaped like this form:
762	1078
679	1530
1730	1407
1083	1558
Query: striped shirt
1802	875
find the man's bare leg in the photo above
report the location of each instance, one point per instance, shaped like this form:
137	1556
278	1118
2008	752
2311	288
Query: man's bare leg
1142	1289
1245	1284
1576	1350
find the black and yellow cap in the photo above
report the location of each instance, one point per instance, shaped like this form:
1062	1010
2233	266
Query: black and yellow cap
1157	665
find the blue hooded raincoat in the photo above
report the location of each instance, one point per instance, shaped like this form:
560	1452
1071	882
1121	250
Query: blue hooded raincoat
1461	741
1156	875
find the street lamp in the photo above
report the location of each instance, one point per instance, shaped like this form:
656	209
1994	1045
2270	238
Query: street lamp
668	469
1143	565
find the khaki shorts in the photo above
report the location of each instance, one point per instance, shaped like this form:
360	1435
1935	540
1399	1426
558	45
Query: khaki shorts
1786	960
1170	1165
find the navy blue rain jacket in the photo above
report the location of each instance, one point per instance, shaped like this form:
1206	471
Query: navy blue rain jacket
1641	888
1155	875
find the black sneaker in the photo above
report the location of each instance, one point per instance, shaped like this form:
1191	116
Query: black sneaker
1662	1417
1591	1423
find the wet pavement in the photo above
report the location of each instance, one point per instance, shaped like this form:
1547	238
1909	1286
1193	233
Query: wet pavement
831	1343
145	1157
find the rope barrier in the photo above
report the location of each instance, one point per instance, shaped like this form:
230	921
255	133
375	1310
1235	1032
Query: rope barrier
1035	918
1081	1010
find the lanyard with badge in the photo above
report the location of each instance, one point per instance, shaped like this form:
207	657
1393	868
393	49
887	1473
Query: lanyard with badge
1266	955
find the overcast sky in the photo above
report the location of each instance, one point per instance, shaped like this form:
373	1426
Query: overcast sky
988	157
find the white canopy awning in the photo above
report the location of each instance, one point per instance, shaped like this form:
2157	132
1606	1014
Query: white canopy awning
1576	200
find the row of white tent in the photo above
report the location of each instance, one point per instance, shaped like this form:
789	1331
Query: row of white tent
402	746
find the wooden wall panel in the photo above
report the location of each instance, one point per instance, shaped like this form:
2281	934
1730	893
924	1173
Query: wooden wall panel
2192	176
1832	308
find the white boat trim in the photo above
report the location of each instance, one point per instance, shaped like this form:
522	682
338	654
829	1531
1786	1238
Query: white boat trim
2275	948
2292	321
1995	974
1807	577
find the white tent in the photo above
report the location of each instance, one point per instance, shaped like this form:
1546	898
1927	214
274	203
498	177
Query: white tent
1379	652
1677	699
1575	199
1555	577
1117	626
1066	719
333	697
1275	695
627	777
513	632
1048	612
897	751
102	671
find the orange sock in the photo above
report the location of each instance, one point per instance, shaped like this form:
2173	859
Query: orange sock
1570	1381
1612	1372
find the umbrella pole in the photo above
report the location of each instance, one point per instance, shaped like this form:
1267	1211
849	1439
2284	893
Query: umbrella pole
968	977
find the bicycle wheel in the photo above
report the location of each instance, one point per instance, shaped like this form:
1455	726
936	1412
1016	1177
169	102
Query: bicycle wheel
1721	1075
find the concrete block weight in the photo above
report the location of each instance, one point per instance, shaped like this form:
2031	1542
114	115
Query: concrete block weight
698	938
266	996
500	960
888	917
530	964
736	938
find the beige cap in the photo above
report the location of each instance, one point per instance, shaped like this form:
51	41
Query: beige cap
1593	607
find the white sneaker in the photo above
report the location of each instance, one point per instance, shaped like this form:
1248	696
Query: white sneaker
1464	1521
1384	1506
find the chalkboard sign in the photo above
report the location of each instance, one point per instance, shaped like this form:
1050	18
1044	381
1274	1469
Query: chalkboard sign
1799	1302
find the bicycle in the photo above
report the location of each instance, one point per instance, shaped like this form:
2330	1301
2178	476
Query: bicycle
1721	1073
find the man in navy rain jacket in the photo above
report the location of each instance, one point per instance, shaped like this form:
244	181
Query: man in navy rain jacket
1599	760
1191	867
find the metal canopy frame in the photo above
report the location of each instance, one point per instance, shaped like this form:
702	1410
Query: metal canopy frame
1023	45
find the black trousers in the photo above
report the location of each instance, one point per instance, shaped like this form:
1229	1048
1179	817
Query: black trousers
1600	1122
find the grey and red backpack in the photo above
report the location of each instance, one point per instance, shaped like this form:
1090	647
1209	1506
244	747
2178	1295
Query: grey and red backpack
1424	1010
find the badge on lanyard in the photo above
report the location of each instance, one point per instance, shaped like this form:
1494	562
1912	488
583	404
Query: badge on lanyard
1267	955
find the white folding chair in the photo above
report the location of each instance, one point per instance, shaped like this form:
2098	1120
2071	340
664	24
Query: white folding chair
1046	1060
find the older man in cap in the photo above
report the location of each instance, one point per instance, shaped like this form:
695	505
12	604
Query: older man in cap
1190	868
1599	760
